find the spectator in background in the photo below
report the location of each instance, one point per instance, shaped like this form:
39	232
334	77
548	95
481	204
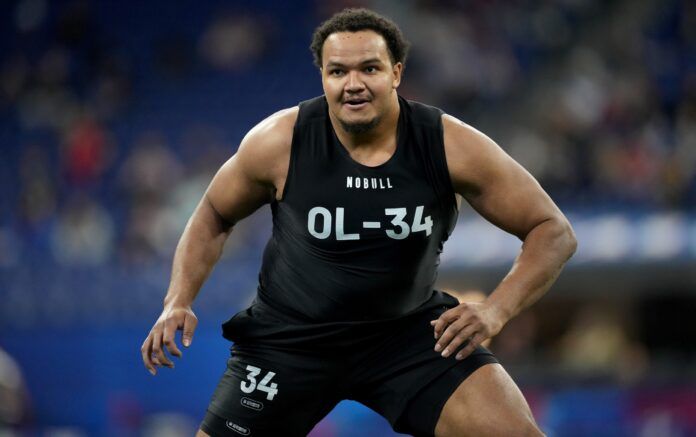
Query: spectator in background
37	187
150	170
83	233
149	173
87	153
14	397
234	41
599	344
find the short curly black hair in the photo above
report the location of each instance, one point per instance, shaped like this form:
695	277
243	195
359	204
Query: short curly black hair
357	19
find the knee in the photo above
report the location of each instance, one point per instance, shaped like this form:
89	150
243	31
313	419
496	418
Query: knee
519	423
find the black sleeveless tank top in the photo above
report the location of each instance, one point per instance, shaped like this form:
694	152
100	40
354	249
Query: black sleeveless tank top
352	242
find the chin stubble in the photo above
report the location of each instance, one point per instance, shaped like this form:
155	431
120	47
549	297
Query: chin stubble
359	127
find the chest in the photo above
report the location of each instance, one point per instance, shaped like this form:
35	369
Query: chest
334	202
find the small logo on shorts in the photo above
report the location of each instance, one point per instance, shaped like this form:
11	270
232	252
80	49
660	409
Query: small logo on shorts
250	403
238	428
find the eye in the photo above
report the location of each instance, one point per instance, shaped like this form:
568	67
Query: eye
371	69
335	72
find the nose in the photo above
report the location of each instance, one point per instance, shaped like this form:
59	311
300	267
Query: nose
354	84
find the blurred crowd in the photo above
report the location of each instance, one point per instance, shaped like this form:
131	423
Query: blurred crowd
83	186
597	100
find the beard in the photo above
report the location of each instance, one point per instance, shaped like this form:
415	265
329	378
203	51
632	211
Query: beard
360	127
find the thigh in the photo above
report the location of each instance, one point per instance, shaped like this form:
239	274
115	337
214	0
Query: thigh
270	392
487	403
424	408
390	373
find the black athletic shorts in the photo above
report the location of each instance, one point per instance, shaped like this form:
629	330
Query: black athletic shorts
283	378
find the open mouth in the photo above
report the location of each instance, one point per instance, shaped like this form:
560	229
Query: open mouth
356	103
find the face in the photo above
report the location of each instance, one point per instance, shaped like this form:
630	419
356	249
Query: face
359	79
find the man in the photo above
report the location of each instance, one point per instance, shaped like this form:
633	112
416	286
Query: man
362	187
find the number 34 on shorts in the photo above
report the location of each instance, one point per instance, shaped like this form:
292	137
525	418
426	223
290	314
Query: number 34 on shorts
251	385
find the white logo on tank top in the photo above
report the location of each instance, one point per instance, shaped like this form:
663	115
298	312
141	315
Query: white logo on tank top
368	183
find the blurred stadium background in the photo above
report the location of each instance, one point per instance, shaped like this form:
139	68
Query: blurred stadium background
114	116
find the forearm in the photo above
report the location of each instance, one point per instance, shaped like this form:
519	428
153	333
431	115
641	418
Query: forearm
546	249
198	251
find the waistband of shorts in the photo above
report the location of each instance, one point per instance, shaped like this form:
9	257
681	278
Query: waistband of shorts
267	310
261	322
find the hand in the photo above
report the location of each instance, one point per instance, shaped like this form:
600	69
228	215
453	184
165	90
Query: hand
472	322
161	337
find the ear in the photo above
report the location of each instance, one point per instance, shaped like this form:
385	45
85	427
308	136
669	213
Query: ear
397	70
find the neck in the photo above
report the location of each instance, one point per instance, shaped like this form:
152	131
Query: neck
383	133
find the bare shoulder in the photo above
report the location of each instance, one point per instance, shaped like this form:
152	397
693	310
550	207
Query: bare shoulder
264	153
256	173
472	157
493	183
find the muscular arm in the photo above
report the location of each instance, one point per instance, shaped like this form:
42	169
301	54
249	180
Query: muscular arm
231	196
505	194
248	180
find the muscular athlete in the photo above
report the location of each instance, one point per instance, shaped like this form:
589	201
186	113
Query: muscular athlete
361	69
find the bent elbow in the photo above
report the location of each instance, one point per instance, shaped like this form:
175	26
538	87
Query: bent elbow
570	241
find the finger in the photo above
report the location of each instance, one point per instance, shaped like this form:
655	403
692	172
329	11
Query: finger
158	352
440	326
447	336
447	318
190	323
460	338
146	352
154	353
469	348
170	328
